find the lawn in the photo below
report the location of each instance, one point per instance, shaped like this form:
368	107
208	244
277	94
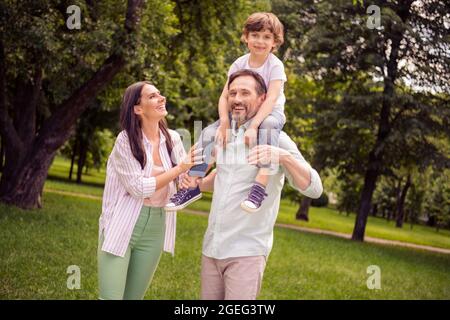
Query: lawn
321	218
92	183
37	247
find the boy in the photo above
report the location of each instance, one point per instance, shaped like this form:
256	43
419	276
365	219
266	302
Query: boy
262	33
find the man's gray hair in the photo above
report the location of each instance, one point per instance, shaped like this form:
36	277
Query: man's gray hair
260	84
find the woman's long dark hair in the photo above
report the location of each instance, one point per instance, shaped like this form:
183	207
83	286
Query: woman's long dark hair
130	122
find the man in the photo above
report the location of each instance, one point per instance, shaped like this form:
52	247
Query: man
237	244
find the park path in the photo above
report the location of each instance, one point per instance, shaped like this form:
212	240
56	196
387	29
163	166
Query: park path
290	226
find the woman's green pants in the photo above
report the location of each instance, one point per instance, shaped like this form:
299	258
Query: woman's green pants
129	277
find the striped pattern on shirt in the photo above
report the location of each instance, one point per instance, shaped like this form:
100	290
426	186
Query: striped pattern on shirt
126	186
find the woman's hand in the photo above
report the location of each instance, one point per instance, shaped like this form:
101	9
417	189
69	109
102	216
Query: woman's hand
193	157
222	134
266	154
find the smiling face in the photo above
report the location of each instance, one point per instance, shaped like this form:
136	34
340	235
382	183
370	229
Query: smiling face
151	104
260	42
243	99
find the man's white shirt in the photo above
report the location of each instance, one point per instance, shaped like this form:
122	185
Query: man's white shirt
232	232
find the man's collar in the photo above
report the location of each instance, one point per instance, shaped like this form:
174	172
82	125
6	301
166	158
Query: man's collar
245	125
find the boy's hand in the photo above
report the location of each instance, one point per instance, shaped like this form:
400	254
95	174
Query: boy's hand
251	136
222	134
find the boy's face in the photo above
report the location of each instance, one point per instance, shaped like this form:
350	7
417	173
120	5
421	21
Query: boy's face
260	42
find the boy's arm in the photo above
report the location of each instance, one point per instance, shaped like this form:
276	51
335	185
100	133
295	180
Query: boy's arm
267	106
223	105
222	131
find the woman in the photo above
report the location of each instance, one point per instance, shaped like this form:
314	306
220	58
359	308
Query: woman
134	228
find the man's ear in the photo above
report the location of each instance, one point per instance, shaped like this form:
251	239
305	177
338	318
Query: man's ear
263	97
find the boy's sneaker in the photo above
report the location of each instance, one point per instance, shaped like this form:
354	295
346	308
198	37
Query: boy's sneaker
255	198
183	198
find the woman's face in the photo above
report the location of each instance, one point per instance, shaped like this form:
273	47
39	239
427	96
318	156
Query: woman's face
152	105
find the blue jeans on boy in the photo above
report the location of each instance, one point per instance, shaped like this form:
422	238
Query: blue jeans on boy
268	133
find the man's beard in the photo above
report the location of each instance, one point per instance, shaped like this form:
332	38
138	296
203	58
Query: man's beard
242	116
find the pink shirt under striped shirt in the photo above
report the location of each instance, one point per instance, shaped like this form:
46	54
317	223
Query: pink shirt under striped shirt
126	187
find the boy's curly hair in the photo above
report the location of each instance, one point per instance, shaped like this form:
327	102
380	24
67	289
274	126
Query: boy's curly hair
260	21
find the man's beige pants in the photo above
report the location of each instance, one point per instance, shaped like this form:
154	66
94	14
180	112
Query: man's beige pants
232	278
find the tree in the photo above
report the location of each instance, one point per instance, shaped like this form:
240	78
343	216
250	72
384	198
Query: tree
91	145
32	36
438	206
349	189
400	216
299	98
183	47
199	55
366	70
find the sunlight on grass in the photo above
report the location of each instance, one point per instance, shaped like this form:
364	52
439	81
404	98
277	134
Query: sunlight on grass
320	218
37	246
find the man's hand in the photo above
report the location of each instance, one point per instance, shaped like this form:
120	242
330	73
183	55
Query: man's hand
222	134
266	154
251	136
189	182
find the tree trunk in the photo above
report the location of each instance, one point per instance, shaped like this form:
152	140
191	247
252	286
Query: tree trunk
393	211
24	186
302	213
81	159
72	159
2	154
384	127
401	203
52	135
370	179
30	160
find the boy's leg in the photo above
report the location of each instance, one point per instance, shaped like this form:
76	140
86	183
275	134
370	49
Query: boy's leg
268	133
206	141
184	197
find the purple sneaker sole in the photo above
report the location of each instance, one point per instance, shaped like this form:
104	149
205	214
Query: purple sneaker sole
248	209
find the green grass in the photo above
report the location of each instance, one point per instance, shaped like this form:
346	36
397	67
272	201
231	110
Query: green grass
330	219
92	183
60	170
320	218
37	246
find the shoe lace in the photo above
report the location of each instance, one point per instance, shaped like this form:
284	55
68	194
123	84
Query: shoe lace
257	194
179	195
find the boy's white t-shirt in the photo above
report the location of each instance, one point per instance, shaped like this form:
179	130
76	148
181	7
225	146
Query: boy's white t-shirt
272	69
